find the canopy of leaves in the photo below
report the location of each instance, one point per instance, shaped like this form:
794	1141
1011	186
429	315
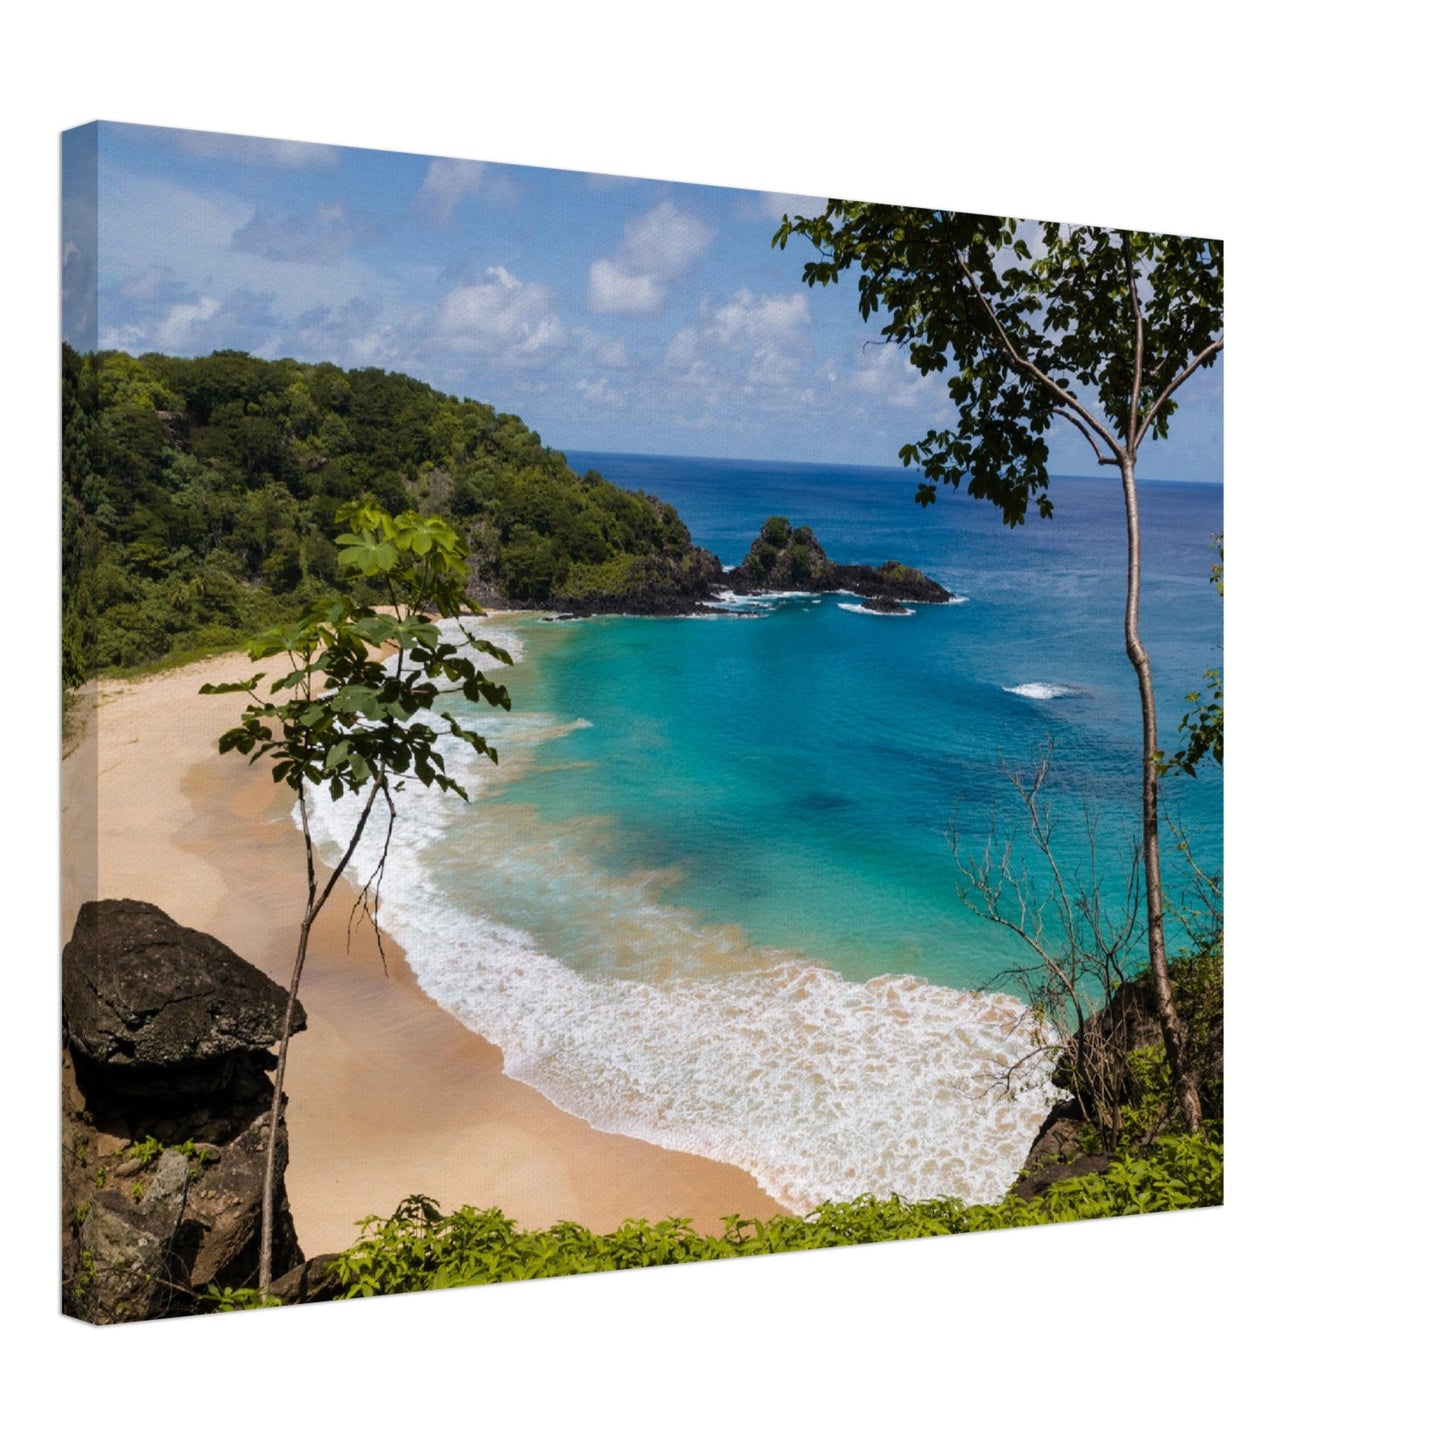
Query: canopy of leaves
1032	323
199	497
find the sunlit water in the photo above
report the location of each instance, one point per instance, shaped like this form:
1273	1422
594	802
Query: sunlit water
709	898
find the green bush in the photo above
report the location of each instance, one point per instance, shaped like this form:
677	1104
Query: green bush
776	531
420	1248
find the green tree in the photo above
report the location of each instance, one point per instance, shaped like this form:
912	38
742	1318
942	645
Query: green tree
1094	327
359	711
1203	724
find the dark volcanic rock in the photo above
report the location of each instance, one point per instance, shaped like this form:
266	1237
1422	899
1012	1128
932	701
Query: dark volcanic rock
883	604
892	582
165	1115
159	1007
785	559
128	1245
791	559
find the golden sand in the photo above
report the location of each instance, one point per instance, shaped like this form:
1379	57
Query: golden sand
387	1094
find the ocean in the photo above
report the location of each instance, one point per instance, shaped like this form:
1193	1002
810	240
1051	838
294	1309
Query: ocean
709	897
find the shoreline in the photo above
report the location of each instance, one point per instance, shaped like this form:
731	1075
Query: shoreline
387	1094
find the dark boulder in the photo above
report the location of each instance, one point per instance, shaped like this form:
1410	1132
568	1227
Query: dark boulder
1100	1067
128	1263
165	1117
892	582
160	1008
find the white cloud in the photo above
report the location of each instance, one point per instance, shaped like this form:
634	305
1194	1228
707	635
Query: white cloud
600	389
748	347
774	205
173	332
446	183
611	352
767	330
885	374
500	315
657	248
613	291
321	238
760	320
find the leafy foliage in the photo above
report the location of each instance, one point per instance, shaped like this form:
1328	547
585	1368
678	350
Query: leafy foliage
199	494
1203	724
419	1247
360	677
358	711
1031	326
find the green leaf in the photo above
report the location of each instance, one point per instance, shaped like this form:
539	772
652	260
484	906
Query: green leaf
211	688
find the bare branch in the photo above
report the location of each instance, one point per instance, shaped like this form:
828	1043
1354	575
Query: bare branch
359	829
1068	416
1079	949
368	900
1210	351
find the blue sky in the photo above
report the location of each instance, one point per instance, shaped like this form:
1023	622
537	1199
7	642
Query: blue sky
610	313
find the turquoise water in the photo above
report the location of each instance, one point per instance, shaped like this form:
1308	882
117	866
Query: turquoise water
709	897
802	773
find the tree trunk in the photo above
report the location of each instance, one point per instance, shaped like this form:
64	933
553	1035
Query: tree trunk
1186	1090
268	1186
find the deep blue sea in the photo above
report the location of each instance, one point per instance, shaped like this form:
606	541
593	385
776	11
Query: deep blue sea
710	896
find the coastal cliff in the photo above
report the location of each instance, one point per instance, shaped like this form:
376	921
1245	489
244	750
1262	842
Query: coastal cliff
201	494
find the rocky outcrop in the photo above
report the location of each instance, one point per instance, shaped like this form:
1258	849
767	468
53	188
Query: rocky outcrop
662	585
682	578
673	578
167	1040
785	558
153	1007
1100	1069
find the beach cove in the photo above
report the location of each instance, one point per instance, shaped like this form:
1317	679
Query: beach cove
388	1095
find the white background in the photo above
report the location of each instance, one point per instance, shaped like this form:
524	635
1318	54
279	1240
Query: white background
1301	1308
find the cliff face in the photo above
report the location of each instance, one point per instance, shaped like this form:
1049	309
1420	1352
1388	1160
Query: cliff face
785	558
165	1101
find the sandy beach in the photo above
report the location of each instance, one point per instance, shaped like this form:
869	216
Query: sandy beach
388	1094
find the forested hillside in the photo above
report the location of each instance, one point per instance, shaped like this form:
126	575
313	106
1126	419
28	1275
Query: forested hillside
199	500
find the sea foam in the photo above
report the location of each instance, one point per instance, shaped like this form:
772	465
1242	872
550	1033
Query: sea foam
873	611
821	1087
1043	691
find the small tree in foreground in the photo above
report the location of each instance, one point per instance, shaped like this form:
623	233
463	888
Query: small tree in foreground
1094	327
357	712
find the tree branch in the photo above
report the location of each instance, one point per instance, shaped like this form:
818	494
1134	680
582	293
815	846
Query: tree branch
1209	352
1068	416
1067	401
1134	432
360	828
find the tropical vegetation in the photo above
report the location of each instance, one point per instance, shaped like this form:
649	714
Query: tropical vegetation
199	497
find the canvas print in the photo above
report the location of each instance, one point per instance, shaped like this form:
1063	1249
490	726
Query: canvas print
612	722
